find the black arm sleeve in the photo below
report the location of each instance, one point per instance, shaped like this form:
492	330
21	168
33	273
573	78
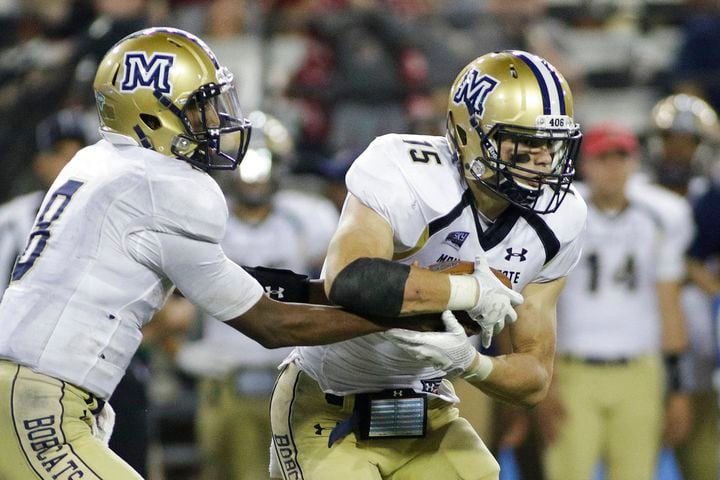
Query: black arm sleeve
371	286
282	285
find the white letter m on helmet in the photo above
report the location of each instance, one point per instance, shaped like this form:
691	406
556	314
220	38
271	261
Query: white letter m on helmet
144	72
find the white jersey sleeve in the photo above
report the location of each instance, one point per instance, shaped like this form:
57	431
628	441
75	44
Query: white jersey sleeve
378	182
409	180
181	241
200	270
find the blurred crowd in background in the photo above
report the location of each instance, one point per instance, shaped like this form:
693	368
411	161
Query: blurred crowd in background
323	78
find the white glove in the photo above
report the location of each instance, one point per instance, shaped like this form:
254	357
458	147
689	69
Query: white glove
494	307
103	424
450	351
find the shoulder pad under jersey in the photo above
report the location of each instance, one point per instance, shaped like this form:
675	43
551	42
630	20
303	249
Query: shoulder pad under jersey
409	180
189	202
568	221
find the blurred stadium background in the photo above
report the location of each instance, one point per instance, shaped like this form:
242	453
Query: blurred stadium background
337	73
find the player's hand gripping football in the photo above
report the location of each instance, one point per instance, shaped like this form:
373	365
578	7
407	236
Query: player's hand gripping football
494	307
449	350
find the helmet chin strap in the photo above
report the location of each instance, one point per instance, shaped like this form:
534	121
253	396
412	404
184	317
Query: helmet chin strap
506	185
517	192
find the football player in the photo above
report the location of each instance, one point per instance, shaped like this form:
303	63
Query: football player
683	137
618	319
686	133
496	190
126	220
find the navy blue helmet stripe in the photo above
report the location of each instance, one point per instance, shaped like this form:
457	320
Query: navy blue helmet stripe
541	83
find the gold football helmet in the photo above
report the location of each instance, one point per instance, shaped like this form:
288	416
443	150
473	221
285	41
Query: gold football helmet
686	114
514	96
256	180
682	140
164	89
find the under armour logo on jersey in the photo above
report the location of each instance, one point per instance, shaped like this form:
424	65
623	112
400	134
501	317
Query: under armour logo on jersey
520	254
397	393
473	91
151	72
279	293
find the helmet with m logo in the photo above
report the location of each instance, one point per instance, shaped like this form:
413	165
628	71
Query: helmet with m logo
163	89
516	101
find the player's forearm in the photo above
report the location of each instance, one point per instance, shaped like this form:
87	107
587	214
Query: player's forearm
375	286
518	378
674	331
523	376
425	291
275	324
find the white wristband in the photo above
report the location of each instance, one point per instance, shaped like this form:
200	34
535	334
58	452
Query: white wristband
463	292
479	369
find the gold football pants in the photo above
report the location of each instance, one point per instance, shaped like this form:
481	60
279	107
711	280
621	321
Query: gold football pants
45	431
612	412
302	419
233	430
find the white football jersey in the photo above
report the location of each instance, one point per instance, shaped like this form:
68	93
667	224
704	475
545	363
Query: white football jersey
609	308
413	182
16	221
118	228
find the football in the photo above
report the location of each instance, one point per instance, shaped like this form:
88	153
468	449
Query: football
459	267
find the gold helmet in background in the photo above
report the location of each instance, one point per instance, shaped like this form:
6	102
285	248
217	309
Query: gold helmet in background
164	89
683	113
518	96
270	151
682	141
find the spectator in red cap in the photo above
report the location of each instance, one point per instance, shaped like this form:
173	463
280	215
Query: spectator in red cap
609	157
607	138
620	324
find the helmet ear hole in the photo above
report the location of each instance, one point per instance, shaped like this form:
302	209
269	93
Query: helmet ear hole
115	75
151	121
462	135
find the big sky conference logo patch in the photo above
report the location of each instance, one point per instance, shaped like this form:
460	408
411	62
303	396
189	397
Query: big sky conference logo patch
456	239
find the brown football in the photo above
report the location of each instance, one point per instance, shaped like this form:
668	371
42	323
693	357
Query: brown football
458	267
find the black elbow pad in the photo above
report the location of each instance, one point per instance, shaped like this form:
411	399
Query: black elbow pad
371	286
